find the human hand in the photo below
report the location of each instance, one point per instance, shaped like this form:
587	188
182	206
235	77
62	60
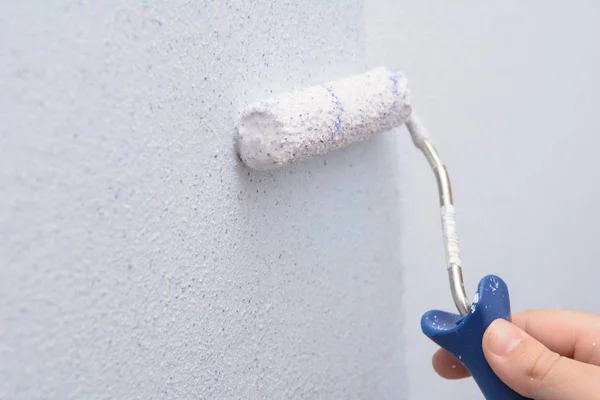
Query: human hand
543	355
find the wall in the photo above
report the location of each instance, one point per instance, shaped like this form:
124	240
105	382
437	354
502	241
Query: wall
138	258
510	92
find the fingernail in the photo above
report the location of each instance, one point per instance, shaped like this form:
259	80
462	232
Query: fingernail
503	337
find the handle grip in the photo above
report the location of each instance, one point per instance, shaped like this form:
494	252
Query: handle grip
462	336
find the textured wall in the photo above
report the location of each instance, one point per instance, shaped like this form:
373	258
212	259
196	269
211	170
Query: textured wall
510	91
138	259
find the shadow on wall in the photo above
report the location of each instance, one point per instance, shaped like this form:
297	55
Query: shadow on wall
323	239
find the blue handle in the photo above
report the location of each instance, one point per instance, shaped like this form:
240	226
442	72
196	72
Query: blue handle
462	336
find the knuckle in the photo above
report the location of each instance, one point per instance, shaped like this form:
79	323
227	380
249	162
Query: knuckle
543	365
584	350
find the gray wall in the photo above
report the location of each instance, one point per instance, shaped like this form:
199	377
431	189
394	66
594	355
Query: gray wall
139	259
510	91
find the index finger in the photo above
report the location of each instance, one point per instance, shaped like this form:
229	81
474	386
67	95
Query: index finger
572	334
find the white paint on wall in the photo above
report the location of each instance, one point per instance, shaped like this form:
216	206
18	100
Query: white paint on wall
509	92
138	258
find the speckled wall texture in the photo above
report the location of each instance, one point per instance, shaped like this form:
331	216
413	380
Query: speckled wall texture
138	258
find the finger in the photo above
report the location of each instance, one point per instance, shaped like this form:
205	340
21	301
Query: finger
534	371
571	334
447	366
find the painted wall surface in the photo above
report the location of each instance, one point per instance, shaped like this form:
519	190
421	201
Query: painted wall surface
138	258
510	91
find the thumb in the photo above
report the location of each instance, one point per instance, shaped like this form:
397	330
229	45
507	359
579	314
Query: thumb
534	371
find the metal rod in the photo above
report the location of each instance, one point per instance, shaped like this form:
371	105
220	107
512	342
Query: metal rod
457	286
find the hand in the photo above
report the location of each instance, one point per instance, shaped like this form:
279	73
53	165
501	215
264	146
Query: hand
543	355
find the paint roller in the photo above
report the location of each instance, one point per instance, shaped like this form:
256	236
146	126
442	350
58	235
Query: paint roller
291	127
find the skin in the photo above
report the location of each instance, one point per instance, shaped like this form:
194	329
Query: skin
542	355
